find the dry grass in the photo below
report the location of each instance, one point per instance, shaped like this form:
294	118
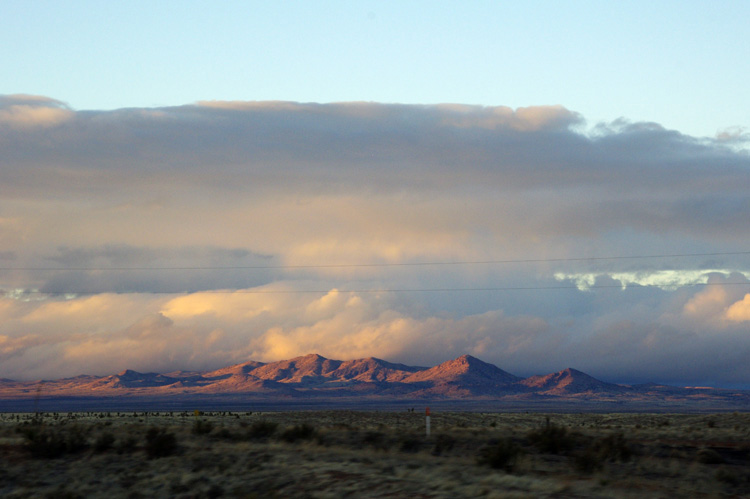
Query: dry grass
373	454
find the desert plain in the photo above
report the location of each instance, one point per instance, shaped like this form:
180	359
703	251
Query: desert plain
344	453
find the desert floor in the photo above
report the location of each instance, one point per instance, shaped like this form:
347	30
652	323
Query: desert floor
373	454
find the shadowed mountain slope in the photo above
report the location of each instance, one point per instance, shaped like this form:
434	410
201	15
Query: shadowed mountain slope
570	381
132	379
243	368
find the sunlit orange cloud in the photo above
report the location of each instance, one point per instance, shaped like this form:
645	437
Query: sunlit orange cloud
715	308
211	330
740	311
40	329
347	229
150	341
332	302
709	302
205	329
331	229
225	305
101	312
338	338
9	346
352	333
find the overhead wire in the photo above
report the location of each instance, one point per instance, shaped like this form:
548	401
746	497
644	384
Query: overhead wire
377	290
378	264
375	265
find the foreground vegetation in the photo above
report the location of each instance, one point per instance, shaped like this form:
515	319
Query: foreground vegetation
373	454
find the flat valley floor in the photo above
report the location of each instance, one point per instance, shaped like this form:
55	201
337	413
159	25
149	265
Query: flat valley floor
332	454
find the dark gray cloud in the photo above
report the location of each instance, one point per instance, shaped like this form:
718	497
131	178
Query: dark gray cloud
651	177
127	269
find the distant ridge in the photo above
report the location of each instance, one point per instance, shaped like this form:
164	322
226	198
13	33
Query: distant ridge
314	377
571	381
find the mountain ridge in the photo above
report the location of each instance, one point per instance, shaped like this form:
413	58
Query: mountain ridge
316	377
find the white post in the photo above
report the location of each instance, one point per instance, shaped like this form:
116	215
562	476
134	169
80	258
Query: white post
427	421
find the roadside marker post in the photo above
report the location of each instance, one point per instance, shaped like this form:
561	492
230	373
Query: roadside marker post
427	421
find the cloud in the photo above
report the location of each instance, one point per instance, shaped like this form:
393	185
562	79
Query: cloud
665	279
22	112
740	311
523	119
737	135
108	333
707	303
204	234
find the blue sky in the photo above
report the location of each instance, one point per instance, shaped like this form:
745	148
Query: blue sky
681	64
179	188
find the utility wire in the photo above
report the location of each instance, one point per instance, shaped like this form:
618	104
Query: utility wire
363	291
366	265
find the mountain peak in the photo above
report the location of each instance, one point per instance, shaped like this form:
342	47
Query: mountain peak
297	369
464	369
310	356
569	381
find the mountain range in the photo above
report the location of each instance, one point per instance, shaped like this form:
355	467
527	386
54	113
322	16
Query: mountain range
313	377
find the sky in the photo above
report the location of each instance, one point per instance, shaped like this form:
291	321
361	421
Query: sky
188	185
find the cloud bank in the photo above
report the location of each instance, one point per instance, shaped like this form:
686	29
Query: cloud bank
195	236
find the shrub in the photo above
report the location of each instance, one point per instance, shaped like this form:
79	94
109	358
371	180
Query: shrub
127	446
298	432
160	443
709	456
443	443
215	491
63	493
48	444
588	461
104	442
202	427
375	439
727	477
502	455
262	429
226	434
410	444
613	447
552	439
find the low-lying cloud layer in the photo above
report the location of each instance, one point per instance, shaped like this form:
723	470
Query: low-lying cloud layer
197	236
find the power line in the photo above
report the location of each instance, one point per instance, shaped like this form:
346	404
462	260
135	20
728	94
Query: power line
377	290
366	265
